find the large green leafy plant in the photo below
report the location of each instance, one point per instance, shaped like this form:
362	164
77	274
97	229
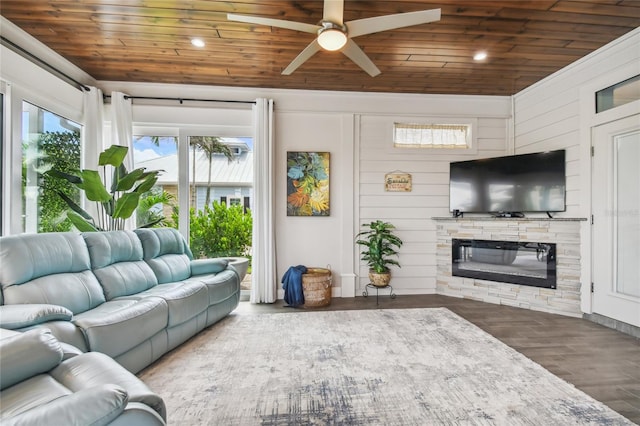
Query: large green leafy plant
114	205
380	245
220	231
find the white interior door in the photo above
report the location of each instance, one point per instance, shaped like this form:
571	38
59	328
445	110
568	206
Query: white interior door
616	220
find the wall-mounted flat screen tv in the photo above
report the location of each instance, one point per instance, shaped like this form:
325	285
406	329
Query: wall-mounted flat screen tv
513	184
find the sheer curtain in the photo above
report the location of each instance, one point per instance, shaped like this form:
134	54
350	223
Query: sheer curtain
122	134
263	269
93	135
93	123
122	125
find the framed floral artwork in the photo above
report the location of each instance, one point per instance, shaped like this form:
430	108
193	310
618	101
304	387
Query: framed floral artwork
307	183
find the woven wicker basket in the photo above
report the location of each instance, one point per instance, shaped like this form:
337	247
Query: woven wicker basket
316	286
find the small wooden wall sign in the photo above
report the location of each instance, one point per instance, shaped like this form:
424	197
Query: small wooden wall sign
397	182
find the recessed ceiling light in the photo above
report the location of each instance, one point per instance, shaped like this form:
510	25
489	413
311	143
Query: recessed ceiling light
480	56
197	42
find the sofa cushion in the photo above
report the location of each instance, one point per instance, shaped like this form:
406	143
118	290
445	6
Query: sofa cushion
106	248
25	315
48	268
220	286
185	299
36	255
116	259
26	355
30	394
104	327
77	292
167	253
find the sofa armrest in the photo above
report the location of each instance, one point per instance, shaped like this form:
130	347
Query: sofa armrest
93	369
93	406
28	354
24	315
138	414
208	266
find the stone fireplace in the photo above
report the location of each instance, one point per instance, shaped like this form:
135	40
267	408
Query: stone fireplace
522	262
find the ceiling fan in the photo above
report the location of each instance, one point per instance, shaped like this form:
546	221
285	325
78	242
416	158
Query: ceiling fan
334	34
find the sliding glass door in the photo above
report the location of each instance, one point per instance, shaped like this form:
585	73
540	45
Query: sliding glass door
205	189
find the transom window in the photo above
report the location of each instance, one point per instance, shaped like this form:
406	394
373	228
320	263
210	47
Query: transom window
412	135
619	94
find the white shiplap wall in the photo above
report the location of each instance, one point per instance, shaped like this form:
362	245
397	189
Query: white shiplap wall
548	114
411	212
559	113
348	125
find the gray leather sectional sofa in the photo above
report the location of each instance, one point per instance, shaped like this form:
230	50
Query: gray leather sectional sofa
79	310
132	295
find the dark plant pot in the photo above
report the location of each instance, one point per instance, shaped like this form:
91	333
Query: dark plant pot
379	280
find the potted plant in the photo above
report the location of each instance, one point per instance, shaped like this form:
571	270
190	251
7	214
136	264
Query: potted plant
114	206
380	245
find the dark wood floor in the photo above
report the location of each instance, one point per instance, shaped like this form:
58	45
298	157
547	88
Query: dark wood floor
602	362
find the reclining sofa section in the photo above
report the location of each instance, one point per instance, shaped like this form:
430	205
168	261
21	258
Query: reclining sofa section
45	382
133	295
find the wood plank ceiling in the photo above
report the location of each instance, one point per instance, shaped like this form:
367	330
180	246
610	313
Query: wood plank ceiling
149	41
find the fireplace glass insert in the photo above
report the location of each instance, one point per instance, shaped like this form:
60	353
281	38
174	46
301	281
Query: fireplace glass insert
515	262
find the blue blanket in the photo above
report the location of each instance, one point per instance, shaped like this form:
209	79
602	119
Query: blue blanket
292	284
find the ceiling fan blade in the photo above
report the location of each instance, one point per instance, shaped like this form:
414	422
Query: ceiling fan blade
390	22
308	52
353	52
280	23
333	10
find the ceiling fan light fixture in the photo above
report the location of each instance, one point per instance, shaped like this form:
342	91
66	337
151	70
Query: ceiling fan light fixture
332	37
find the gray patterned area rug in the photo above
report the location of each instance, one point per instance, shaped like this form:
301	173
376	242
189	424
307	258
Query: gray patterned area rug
382	367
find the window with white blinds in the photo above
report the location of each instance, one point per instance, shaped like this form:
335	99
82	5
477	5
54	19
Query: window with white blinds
408	135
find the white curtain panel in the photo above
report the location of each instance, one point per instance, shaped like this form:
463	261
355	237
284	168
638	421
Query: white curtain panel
93	136
93	124
122	125
122	134
263	269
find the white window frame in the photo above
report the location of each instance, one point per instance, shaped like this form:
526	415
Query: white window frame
182	132
472	138
14	96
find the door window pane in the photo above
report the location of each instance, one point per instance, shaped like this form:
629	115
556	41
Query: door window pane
628	214
48	141
220	175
